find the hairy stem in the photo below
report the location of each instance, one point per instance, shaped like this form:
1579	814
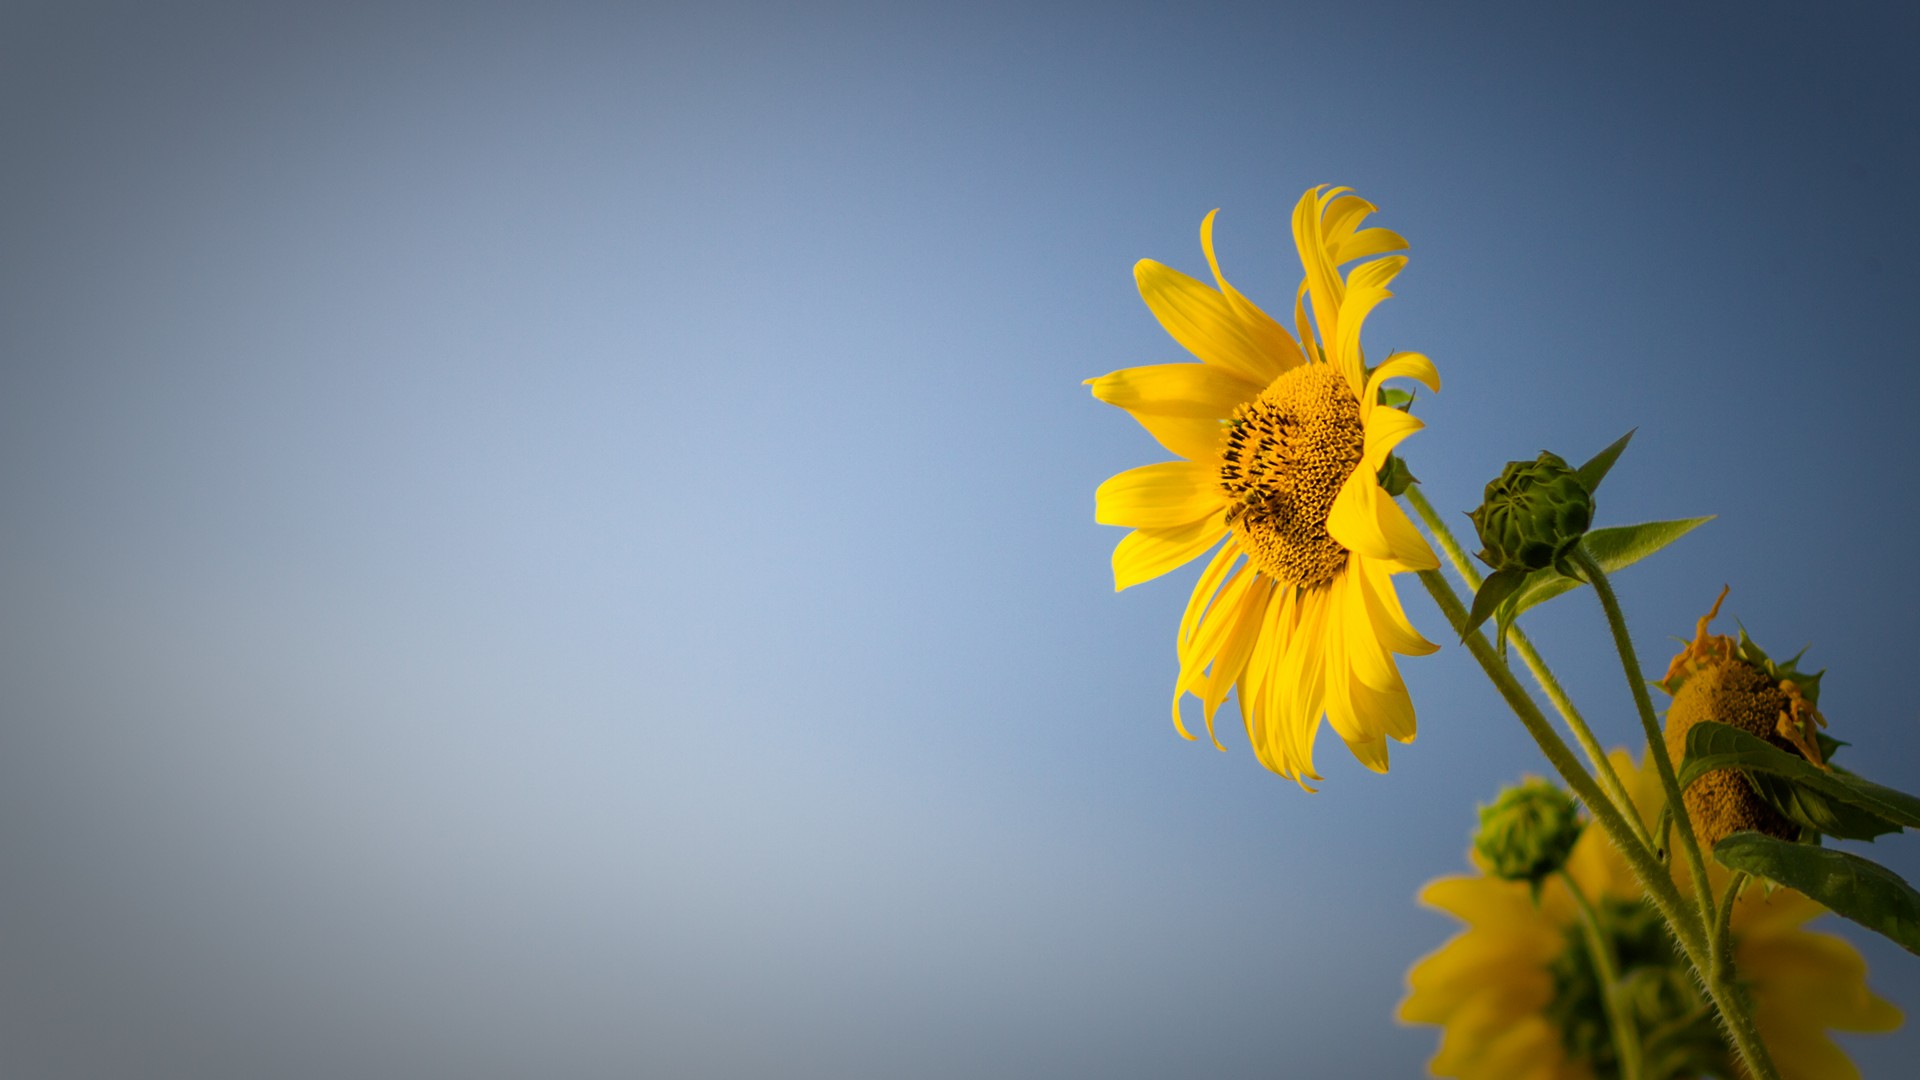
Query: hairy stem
1682	918
1602	765
1656	741
1723	928
1626	1036
1736	1010
1714	968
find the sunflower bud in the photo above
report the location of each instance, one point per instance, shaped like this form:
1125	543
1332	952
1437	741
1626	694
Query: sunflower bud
1528	832
1533	515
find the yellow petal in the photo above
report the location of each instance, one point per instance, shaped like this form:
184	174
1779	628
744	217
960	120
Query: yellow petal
1804	1053
1876	1015
1205	588
1405	365
1385	430
1181	405
1759	915
1384	611
1324	286
1209	637
1442	982
1363	738
1197	606
1340	215
1642	782
1600	869
1367	243
1145	554
1479	901
1373	274
1164	495
1528	1042
1477	1030
1377	693
1198	391
1399	365
1300	690
1202	321
1354	522
1276	347
1366	288
1816	979
1802	961
1371	751
1190	437
1410	550
1255	677
1389	708
1315	354
1365	520
1210	633
1261	680
1235	650
1367	658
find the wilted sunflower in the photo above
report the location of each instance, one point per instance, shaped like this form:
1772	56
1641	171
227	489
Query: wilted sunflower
1283	451
1735	682
1517	997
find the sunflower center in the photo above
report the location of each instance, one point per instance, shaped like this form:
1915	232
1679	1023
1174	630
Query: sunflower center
1675	1026
1283	457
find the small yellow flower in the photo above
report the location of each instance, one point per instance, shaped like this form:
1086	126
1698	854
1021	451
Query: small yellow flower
1517	999
1282	443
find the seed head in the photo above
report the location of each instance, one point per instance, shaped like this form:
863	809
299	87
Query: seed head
1716	678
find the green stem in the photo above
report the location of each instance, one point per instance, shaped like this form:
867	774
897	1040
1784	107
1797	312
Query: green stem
1723	928
1685	922
1736	1009
1656	741
1626	1036
1602	764
1727	995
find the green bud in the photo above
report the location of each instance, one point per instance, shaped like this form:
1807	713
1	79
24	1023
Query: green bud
1528	832
1533	516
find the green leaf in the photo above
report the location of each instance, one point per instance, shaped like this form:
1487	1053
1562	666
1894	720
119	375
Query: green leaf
1596	470
1620	546
1778	670
1829	745
1614	548
1813	809
1394	476
1717	746
1752	653
1497	587
1396	398
1895	806
1853	887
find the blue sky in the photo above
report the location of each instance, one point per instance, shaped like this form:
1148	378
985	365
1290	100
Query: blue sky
559	542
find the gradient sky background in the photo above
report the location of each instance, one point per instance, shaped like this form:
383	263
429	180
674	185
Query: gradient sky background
557	541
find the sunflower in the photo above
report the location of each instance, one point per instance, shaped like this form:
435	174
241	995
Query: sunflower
1283	444
1517	998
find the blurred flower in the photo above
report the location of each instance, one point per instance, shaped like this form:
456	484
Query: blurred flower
1517	998
1528	831
1283	451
